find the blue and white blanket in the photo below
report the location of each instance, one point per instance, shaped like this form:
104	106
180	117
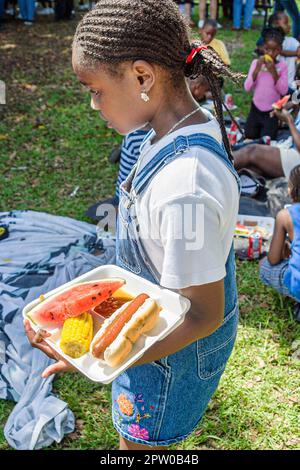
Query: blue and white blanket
41	252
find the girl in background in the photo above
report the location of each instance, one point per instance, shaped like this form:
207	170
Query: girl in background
268	79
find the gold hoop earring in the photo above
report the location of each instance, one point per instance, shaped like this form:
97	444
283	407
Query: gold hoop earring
144	96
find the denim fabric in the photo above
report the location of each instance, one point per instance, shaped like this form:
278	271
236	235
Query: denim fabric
27	9
292	9
272	275
162	402
237	13
1	9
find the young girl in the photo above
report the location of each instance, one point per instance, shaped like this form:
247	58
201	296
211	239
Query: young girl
133	56
268	78
281	269
290	46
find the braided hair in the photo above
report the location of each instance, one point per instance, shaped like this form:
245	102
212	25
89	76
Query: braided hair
273	34
116	31
294	183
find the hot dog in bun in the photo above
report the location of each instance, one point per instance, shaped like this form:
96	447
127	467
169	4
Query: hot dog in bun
117	335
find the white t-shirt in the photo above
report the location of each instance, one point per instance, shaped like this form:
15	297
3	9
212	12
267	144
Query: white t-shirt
187	213
290	44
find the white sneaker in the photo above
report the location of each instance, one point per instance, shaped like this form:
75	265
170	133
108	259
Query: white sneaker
19	17
83	7
9	11
200	23
43	11
51	11
28	23
219	26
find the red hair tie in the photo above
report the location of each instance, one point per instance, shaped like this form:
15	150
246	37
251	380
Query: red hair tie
193	52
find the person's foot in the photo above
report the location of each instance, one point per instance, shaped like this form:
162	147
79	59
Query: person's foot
10	11
200	23
219	26
28	23
84	7
43	11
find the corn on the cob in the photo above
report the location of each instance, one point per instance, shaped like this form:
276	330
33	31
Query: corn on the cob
76	336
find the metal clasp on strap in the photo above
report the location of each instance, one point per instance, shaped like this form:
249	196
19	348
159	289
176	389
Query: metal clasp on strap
131	200
180	144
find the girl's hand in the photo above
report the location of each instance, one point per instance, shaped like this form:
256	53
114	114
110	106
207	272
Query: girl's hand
271	68
36	339
283	115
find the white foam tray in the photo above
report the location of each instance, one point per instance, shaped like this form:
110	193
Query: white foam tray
252	220
174	308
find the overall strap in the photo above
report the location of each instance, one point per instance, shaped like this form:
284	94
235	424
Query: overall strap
171	151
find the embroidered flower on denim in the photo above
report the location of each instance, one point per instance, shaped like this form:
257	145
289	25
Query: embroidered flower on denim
125	405
140	433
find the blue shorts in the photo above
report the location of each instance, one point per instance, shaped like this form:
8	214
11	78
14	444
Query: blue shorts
273	274
162	402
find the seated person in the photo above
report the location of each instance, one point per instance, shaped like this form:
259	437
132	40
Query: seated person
207	34
200	88
268	79
281	268
130	151
269	161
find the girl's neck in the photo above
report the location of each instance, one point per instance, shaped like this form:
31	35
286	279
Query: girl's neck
171	110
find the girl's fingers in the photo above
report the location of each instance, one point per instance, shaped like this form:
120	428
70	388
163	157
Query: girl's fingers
60	366
35	337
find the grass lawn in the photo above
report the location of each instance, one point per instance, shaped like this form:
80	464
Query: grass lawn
51	142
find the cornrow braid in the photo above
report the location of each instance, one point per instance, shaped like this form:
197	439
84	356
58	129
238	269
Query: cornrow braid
122	30
294	181
209	64
116	31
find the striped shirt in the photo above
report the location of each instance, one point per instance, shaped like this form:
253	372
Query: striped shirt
130	153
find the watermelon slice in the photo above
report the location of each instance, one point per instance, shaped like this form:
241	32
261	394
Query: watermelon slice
280	103
73	301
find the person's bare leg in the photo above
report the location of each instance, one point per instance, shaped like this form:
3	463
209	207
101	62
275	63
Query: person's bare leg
129	445
213	9
263	159
202	9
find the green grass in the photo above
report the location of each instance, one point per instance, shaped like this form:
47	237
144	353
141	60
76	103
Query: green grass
48	127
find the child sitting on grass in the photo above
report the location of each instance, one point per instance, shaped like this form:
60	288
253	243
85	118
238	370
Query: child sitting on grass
281	268
207	35
268	79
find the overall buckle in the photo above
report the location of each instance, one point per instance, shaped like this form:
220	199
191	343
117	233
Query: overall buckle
180	144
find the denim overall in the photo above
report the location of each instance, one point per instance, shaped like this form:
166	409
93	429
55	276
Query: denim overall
162	402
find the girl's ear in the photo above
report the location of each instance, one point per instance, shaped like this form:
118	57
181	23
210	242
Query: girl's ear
145	74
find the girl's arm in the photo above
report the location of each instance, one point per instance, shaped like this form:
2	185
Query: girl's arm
252	75
295	53
281	80
276	251
286	117
205	316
